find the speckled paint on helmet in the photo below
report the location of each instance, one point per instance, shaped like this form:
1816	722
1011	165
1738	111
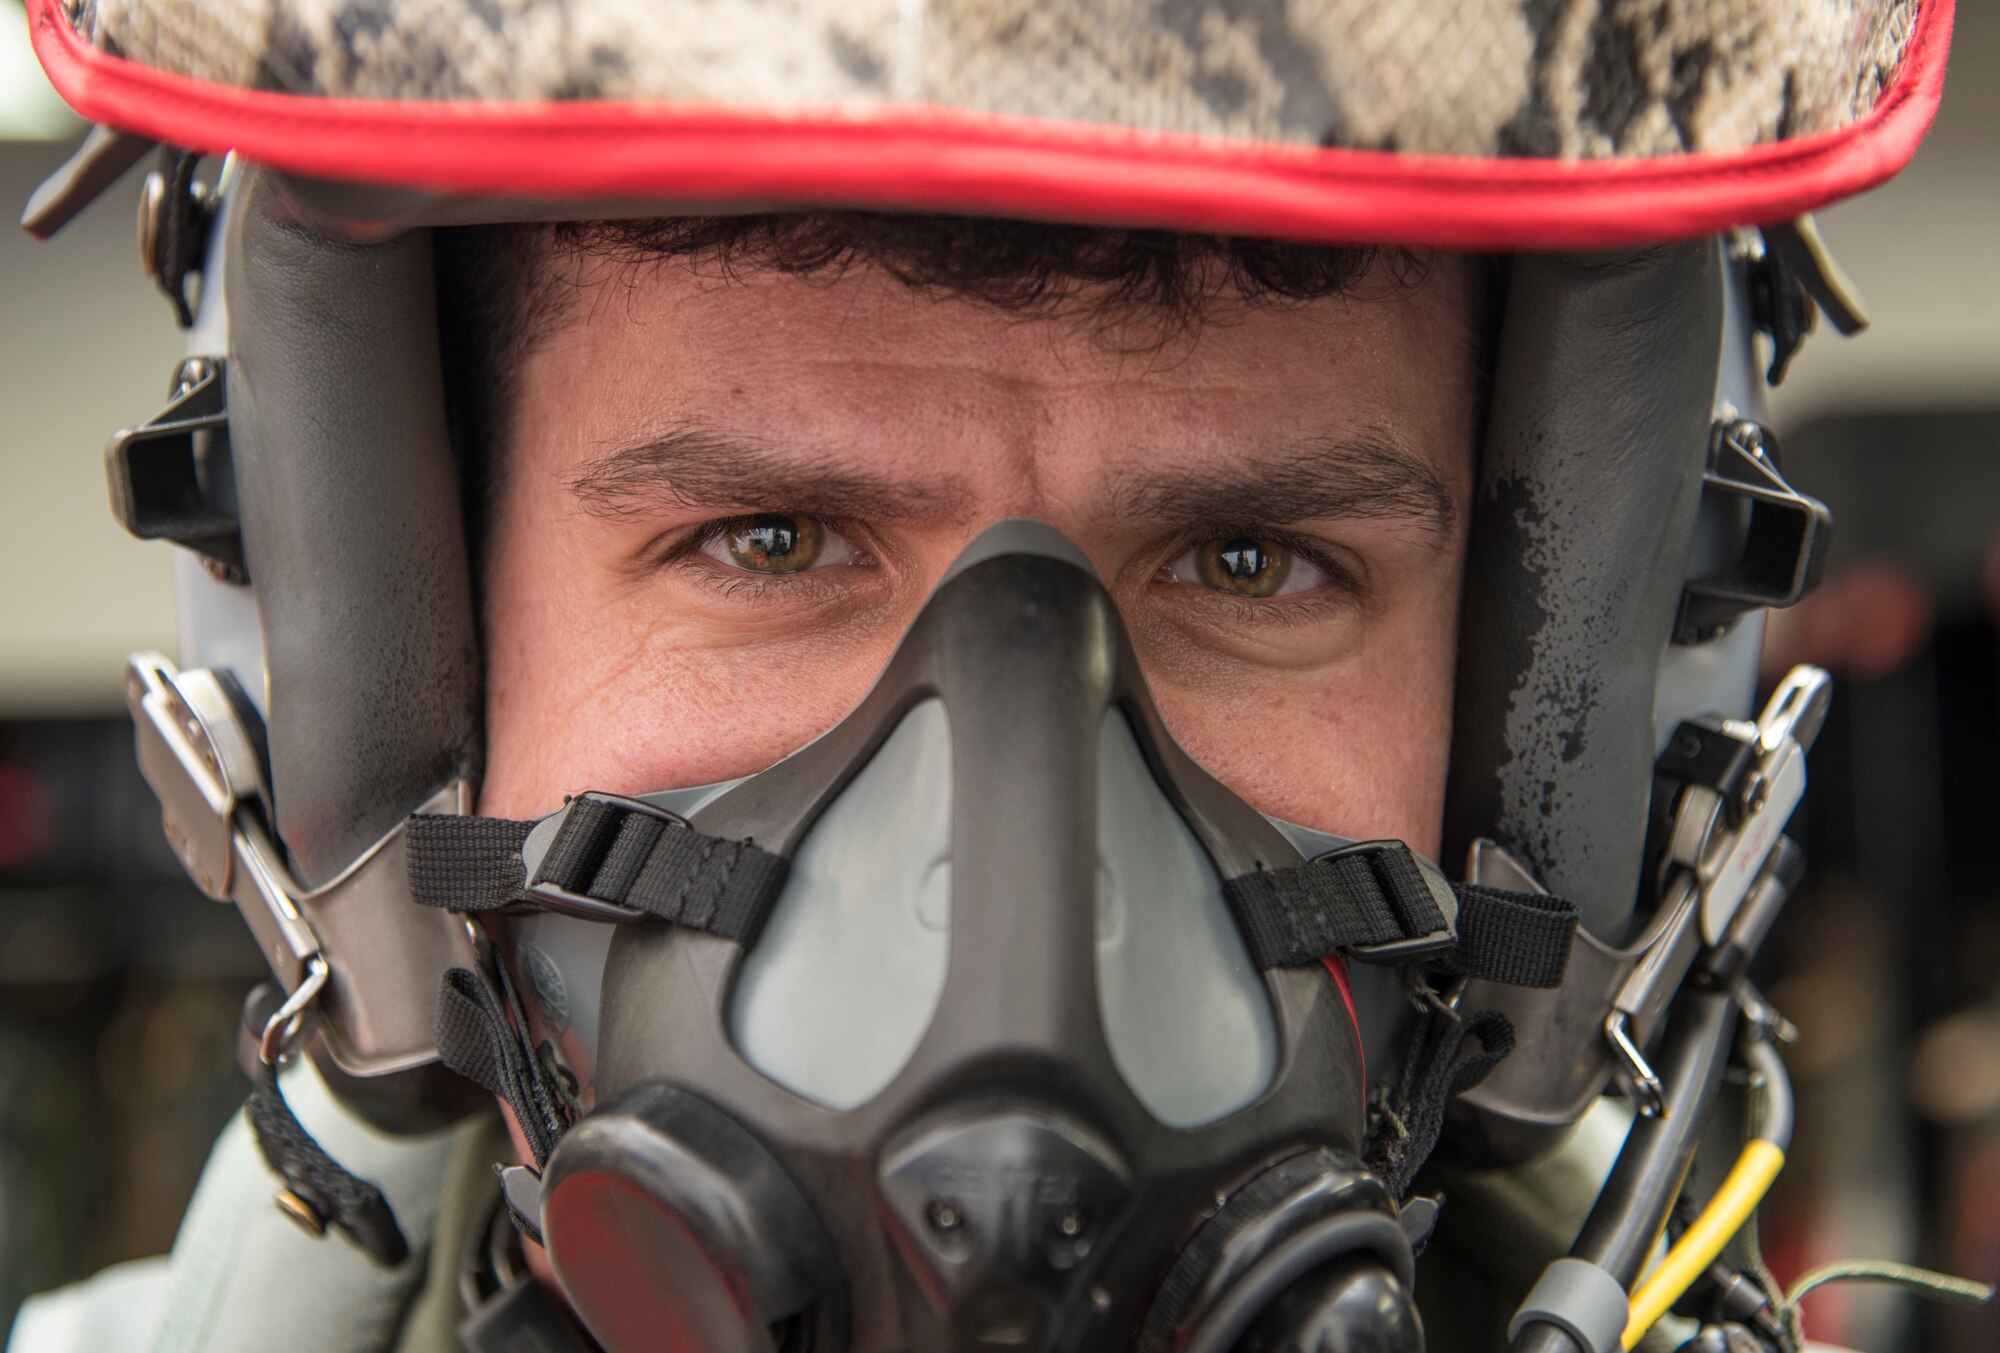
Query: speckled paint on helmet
1569	79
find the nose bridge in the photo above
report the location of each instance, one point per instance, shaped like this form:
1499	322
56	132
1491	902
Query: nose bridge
1027	669
1003	868
1088	928
1065	454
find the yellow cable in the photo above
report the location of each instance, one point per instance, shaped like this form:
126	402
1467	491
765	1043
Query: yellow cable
1700	1243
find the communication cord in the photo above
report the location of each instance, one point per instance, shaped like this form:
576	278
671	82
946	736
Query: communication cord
1762	1157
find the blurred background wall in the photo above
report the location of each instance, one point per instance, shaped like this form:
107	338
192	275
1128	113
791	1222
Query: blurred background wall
1889	959
119	984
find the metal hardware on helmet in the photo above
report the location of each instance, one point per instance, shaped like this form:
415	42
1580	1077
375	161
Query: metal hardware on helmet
1804	252
288	1024
104	157
1442	1002
1784	544
1713	863
1761	1019
176	214
199	756
1793	280
1642	1083
171	476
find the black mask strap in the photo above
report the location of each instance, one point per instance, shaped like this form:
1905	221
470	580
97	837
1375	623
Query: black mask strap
1377	896
482	1034
603	858
1438	1066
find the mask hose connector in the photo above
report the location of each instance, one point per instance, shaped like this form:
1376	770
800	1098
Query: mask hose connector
1352	1302
1297	1225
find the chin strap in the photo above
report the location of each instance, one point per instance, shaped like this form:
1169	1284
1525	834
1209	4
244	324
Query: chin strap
319	1192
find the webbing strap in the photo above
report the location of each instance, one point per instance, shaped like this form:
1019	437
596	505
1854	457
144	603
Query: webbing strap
482	1035
467	863
336	1197
1436	1066
610	858
1368	896
1522	939
623	859
1377	897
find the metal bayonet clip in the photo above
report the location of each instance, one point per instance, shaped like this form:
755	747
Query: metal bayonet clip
1721	837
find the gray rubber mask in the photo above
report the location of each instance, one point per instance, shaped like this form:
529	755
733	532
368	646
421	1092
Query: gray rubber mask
994	1068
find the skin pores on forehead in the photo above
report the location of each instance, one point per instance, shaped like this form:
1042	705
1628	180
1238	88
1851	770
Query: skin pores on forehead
628	650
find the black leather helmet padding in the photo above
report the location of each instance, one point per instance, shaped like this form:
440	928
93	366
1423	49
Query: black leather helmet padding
1581	527
351	528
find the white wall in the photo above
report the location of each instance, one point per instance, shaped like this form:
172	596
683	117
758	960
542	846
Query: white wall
86	346
1924	253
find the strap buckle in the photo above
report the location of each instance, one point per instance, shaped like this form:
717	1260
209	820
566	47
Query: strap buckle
542	842
165	472
1410	948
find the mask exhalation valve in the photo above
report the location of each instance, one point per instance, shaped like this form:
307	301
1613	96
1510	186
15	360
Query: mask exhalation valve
1002	1216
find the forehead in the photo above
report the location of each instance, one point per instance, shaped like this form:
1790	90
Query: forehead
864	364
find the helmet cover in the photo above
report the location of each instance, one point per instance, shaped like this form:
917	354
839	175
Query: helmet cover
1484	125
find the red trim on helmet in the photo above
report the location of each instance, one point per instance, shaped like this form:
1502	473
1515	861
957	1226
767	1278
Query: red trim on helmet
939	159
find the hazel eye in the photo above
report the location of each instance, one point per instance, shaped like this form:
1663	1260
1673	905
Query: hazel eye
773	543
1246	566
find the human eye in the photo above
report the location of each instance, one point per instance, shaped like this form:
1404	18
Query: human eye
773	544
1263	595
1253	567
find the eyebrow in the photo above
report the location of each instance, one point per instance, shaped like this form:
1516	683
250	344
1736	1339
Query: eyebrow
698	467
1360	475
